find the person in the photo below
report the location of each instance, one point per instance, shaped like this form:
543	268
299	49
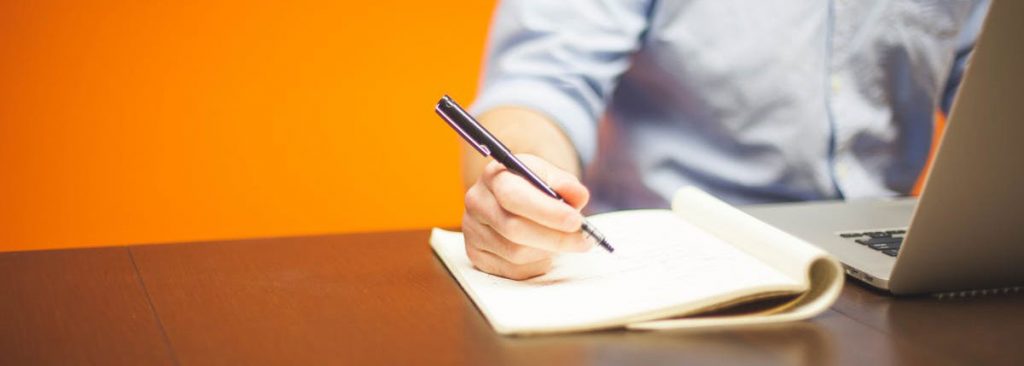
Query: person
752	101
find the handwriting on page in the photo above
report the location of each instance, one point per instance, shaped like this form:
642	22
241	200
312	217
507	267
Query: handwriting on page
660	261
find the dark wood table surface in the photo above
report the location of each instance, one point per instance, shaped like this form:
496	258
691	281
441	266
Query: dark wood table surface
383	298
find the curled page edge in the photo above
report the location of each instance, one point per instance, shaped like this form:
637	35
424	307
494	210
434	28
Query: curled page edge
826	285
823	272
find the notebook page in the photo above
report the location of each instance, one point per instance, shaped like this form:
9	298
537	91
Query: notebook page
662	266
783	251
820	272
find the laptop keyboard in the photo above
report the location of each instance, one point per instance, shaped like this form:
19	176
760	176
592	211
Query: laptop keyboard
886	241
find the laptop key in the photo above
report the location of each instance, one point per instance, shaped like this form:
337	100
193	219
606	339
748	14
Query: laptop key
851	235
879	240
885	246
891	252
878	234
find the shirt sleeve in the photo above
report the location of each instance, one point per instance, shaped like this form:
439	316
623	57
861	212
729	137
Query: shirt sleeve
561	59
964	47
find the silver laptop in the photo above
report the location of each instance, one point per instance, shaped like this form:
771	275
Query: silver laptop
966	230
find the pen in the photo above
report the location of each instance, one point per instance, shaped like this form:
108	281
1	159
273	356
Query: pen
477	136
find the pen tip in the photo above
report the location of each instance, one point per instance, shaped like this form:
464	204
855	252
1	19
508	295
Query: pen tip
596	236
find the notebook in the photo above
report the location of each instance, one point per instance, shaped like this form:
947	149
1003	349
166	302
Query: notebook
703	264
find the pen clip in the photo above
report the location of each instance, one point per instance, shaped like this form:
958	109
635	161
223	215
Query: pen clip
440	109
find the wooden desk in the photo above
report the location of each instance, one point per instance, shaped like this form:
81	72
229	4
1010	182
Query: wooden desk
383	298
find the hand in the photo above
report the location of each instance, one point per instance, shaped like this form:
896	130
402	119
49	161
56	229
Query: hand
513	229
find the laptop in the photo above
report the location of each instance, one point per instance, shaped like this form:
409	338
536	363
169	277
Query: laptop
965	232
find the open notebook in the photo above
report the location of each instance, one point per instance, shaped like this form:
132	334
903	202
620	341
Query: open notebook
690	267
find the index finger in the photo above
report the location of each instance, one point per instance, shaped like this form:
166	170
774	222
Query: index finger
519	197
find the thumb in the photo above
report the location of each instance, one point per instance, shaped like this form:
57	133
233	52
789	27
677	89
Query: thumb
563	182
570	188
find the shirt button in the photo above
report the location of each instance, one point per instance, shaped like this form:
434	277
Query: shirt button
836	84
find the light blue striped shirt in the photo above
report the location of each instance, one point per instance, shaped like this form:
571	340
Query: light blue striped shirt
751	100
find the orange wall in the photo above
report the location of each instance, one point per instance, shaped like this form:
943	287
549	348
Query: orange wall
137	122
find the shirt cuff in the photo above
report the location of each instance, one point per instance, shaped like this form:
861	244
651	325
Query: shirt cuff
568	112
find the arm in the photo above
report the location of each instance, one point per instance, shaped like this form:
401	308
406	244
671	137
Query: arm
964	47
550	67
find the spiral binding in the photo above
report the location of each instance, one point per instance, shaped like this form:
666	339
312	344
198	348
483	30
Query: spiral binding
978	293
